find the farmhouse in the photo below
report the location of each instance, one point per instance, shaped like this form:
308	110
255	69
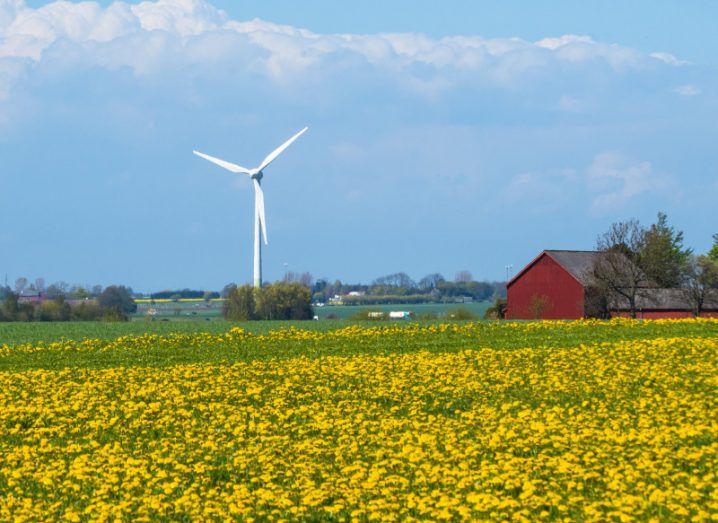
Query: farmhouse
555	285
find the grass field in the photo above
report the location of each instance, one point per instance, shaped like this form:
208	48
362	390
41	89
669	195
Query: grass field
517	421
212	310
419	309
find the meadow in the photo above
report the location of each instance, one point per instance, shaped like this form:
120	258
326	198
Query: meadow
212	310
560	421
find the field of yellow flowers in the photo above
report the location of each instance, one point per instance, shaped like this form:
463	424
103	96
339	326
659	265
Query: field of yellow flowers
586	420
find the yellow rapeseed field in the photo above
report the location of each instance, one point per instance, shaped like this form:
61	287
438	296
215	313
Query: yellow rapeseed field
356	427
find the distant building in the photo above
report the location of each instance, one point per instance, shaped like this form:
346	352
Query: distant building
554	287
356	293
30	297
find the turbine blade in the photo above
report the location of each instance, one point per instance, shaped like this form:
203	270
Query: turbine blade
259	205
227	165
273	155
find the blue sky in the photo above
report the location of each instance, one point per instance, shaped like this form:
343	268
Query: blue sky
443	136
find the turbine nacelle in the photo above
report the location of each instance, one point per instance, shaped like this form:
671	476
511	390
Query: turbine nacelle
254	174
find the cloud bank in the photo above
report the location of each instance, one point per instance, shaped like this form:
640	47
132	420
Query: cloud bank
151	37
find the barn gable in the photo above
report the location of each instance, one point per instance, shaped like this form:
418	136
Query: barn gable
577	263
546	289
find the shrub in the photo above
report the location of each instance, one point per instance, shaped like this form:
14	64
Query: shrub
55	310
460	314
497	311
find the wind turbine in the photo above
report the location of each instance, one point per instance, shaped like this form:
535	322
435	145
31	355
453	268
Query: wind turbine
256	174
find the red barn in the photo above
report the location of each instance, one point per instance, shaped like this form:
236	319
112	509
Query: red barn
553	287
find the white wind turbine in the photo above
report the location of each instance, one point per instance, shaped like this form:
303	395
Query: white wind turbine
260	224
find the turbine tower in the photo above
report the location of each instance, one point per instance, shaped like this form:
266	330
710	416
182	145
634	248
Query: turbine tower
260	224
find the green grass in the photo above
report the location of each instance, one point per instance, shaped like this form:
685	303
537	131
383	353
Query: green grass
489	334
34	332
439	309
201	311
13	333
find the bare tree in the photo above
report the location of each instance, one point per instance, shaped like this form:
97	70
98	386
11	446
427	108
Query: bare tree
463	277
40	284
430	281
539	305
700	281
617	273
306	279
20	284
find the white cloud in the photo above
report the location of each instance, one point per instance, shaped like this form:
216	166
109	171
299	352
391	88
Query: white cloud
618	180
127	35
669	59
687	90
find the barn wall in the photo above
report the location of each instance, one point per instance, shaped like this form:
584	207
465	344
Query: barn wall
563	295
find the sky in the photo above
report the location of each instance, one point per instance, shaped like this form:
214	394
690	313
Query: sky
443	136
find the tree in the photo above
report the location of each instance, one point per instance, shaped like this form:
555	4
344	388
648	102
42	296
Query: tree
617	273
430	281
20	284
55	291
277	301
53	310
306	279
239	305
227	289
80	293
713	253
283	301
463	277
397	281
40	285
700	279
116	302
663	256
10	307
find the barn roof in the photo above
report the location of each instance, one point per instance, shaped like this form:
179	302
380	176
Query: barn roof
666	299
577	263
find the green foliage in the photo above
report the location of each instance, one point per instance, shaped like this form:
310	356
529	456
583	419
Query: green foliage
496	334
663	255
278	301
54	310
116	302
240	305
86	311
497	311
713	253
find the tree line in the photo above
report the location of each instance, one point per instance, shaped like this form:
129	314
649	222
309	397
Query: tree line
113	303
277	301
401	288
635	261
